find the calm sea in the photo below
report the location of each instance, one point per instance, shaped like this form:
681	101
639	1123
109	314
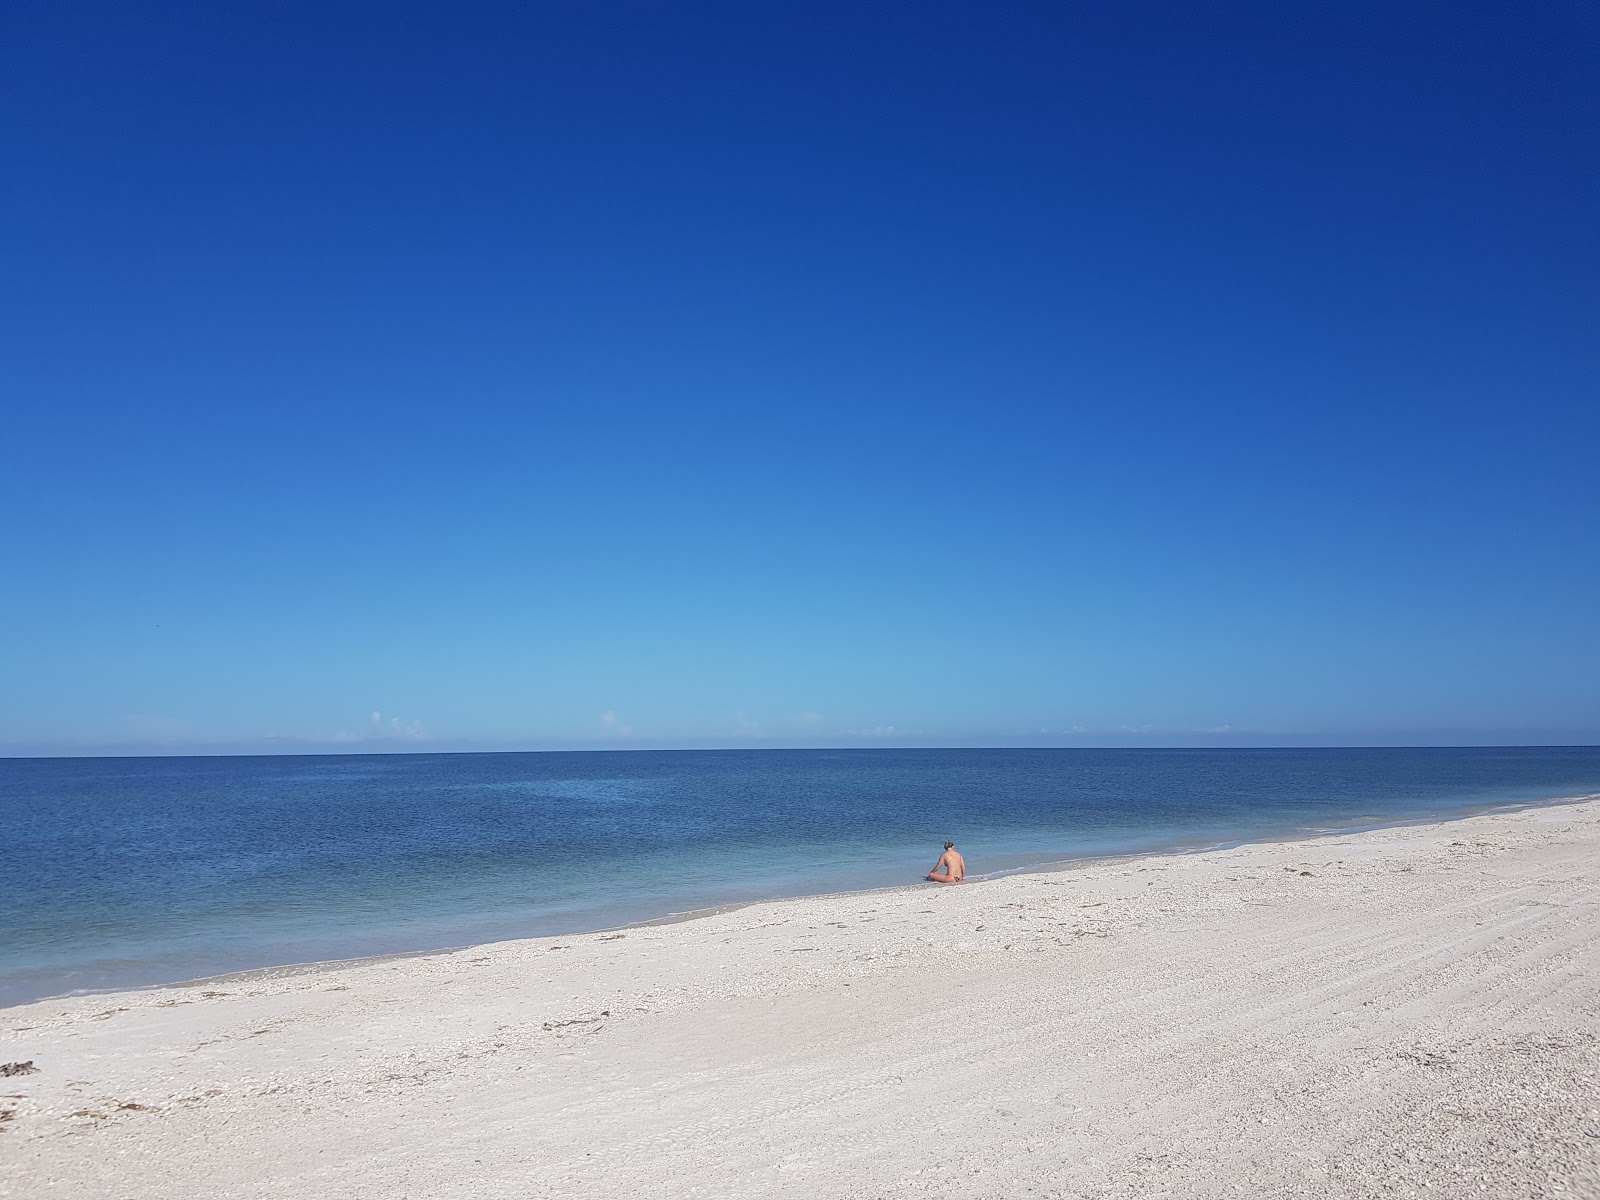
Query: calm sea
122	872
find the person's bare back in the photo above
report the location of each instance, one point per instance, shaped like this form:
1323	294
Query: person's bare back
951	867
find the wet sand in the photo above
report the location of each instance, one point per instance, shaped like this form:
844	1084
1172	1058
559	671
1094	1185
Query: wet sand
1411	1011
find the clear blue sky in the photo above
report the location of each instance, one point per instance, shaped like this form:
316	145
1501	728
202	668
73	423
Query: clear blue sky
824	374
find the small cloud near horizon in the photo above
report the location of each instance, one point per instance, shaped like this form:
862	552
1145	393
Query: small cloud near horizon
377	730
881	731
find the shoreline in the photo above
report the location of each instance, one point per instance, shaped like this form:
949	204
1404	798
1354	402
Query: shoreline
1174	850
1408	1010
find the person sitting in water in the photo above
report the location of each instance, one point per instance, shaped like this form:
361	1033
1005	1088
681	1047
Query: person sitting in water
951	867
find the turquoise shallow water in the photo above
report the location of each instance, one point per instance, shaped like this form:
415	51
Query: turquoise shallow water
124	872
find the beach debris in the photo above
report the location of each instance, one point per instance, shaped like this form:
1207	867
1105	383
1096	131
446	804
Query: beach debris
1305	872
611	937
18	1068
565	1024
135	1106
1425	1058
214	995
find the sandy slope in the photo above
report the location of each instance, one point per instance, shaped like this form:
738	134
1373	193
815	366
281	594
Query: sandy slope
1418	1015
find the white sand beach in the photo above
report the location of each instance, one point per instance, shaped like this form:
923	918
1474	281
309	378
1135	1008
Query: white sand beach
1405	1012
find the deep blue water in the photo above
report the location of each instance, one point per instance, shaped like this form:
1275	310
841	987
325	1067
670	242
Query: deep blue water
120	872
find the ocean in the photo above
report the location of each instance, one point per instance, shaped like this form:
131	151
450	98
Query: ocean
123	872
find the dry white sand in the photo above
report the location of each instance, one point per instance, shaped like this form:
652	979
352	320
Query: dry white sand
1410	1011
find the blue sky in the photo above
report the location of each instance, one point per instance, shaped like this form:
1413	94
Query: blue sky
517	375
